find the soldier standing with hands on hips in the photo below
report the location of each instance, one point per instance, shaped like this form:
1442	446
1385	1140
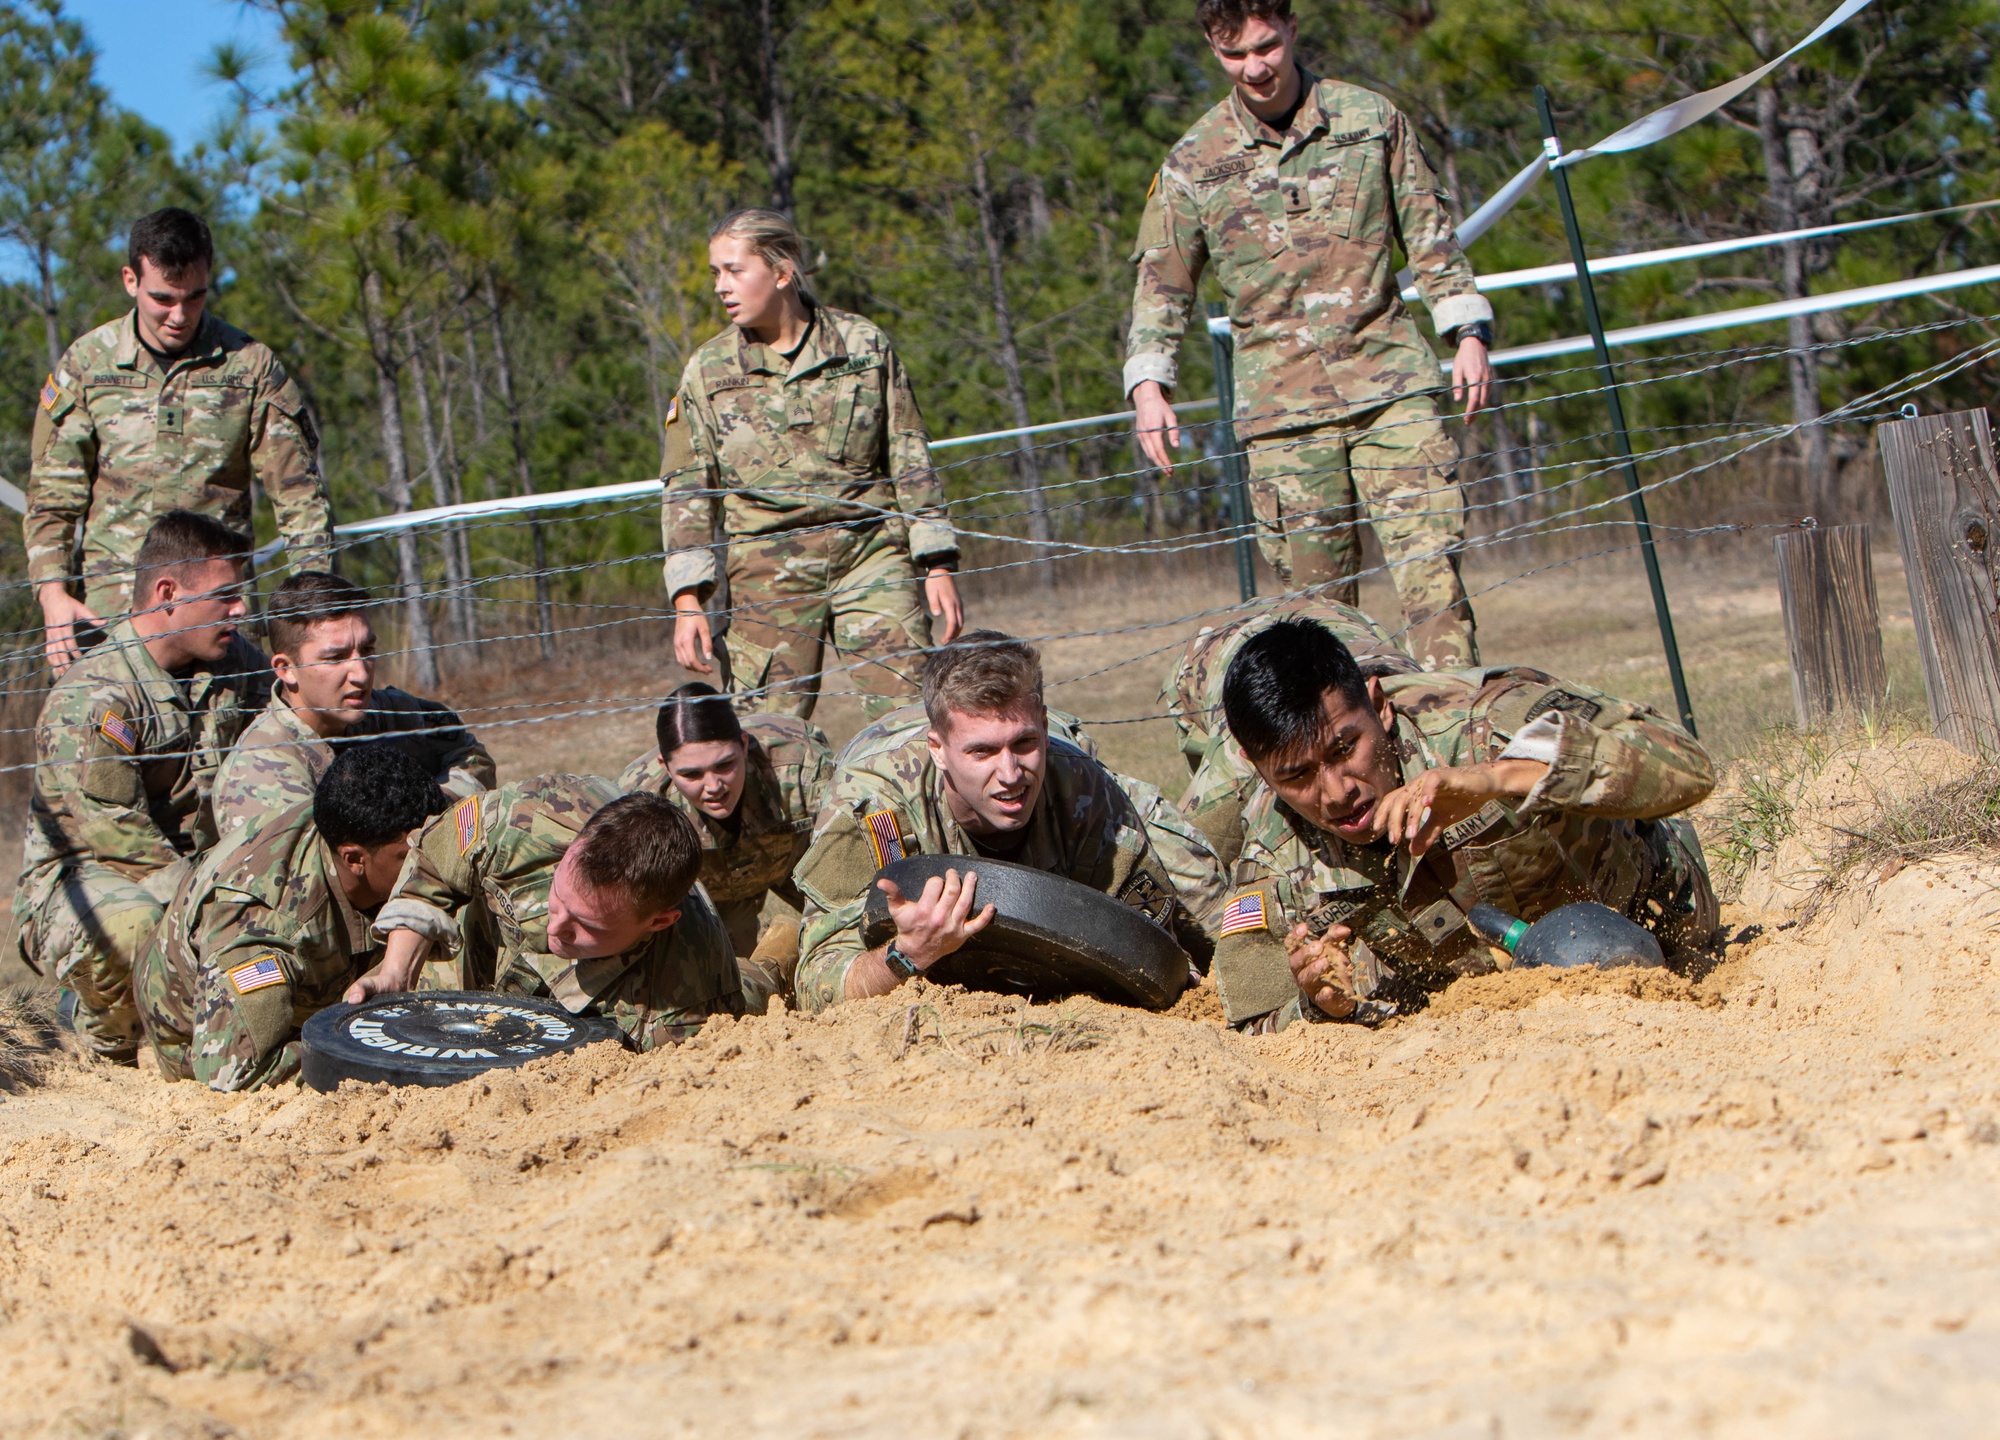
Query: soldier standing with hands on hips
796	433
1298	190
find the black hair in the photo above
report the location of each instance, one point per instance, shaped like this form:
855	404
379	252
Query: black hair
173	239
693	714
371	794
1273	695
1224	19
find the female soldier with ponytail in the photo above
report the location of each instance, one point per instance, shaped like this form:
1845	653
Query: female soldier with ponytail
795	436
752	784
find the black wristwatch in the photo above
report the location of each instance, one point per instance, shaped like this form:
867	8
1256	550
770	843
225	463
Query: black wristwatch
1480	330
899	963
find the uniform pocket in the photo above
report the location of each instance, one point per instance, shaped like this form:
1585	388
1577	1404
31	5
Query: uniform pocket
1355	195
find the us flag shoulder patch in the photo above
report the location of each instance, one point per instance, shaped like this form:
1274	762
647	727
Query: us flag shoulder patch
887	835
1245	912
465	815
260	973
118	730
49	393
673	412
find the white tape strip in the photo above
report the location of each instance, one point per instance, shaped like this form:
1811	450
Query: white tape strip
1668	120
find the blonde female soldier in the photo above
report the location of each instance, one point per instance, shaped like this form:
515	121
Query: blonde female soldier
796	436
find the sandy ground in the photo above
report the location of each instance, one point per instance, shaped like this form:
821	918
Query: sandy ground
1583	1205
1756	1204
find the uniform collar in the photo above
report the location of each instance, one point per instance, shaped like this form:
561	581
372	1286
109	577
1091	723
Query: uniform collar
130	349
823	343
1310	120
131	649
285	717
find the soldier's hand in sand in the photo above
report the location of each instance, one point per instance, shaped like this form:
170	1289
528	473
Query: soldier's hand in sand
1322	970
1156	424
694	643
1417	813
61	613
928	928
941	595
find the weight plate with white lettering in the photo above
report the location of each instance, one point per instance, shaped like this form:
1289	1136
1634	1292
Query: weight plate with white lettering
439	1037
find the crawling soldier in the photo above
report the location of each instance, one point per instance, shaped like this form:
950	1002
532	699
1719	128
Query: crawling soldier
1389	806
591	896
275	923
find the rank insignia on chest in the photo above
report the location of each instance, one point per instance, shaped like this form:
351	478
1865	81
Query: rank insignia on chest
465	817
118	730
258	974
1245	912
887	835
49	393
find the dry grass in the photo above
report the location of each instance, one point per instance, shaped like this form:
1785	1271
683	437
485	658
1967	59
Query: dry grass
29	1037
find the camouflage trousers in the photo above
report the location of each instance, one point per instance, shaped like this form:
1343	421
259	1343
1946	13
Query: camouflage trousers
88	933
792	594
1395	464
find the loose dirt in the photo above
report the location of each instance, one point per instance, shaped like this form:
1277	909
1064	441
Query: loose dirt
1756	1204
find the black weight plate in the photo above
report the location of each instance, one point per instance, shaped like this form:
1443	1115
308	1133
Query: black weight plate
439	1037
1049	936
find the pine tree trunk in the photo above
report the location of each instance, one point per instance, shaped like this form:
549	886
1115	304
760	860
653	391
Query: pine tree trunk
776	119
455	534
396	455
454	571
1010	353
1784	181
504	372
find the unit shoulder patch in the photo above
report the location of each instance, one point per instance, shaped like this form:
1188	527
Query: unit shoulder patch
1582	707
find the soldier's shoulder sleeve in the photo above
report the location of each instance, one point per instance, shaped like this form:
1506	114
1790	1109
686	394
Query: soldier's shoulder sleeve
860	828
1606	756
646	774
113	725
244	1005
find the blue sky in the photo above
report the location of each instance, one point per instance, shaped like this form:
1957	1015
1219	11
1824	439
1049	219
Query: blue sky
151	54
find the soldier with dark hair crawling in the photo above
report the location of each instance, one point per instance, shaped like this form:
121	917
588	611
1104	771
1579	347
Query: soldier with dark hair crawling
323	660
1389	806
275	923
1297	192
752	784
976	771
167	408
125	758
592	897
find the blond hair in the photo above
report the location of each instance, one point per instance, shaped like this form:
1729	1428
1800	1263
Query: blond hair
983	672
772	238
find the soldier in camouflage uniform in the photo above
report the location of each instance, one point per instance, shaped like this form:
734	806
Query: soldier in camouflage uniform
976	772
796	437
276	921
1298	189
752	787
125	755
593	897
1223	779
324	660
1389	807
167	408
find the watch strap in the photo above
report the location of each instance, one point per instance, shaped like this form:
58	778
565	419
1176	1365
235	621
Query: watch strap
899	963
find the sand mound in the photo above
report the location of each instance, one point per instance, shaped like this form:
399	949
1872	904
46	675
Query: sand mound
1827	806
1577	1204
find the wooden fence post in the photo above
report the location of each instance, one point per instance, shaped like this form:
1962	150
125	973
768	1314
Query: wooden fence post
1827	583
1945	493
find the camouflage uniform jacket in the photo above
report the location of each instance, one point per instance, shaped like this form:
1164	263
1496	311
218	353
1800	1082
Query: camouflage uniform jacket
787	768
1300	232
499	849
760	445
119	441
279	760
259	939
1223	778
887	802
1581	834
126	756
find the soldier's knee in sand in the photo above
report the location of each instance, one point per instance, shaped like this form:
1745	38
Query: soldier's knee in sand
88	936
